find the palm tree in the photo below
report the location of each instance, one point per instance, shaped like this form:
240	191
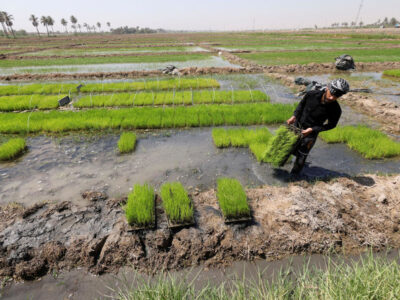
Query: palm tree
64	23
35	22
109	25
98	25
79	26
86	26
9	22
74	21
2	21
94	28
50	21
45	23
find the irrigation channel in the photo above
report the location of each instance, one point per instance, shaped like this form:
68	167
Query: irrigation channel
55	229
78	285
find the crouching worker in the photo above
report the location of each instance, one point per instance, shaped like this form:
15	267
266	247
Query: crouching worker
311	114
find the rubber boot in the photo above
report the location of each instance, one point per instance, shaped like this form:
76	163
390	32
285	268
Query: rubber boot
298	165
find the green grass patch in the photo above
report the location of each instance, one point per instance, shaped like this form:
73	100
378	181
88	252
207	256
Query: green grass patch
371	277
280	146
176	203
139	209
146	118
392	73
12	148
322	56
102	60
16	103
58	88
172	98
232	199
372	144
127	142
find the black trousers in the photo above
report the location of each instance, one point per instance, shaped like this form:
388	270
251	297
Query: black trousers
302	150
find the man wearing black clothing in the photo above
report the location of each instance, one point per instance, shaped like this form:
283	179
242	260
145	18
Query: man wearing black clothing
311	114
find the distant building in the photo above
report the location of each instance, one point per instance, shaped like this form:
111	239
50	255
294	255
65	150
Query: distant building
397	25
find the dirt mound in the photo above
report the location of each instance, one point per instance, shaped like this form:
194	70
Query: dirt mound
343	214
126	74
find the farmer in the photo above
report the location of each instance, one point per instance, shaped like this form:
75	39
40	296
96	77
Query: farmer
316	107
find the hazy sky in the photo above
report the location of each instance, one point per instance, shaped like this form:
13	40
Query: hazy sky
202	14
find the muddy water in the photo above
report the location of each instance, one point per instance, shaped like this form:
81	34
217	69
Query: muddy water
213	61
59	169
80	285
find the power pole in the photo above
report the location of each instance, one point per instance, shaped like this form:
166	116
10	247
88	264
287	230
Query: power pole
359	11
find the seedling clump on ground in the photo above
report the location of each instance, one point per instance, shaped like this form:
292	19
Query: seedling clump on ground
139	209
177	205
127	142
232	199
12	148
372	144
280	146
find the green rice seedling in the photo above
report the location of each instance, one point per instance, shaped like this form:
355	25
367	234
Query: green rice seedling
89	60
16	103
139	209
142	117
165	84
259	150
232	199
280	146
167	98
392	73
176	202
12	148
221	138
127	142
240	137
371	143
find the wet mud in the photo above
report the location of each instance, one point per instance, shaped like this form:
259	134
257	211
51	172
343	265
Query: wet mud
345	214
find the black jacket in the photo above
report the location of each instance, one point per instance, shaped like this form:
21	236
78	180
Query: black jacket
312	113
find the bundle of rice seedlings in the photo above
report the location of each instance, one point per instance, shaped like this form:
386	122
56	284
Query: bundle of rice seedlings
176	203
232	199
127	142
281	146
139	209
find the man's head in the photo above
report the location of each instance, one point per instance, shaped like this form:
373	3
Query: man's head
336	89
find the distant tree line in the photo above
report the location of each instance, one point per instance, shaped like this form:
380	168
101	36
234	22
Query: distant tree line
134	30
380	23
48	22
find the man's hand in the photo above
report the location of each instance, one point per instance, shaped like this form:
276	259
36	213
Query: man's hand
306	132
291	120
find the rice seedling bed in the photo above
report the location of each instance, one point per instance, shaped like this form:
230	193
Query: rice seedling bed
145	118
322	56
127	142
172	98
12	149
370	143
392	73
18	103
240	137
177	205
102	60
140	209
232	200
163	84
281	146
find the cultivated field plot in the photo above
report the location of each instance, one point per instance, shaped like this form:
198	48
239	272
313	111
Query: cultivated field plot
152	154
